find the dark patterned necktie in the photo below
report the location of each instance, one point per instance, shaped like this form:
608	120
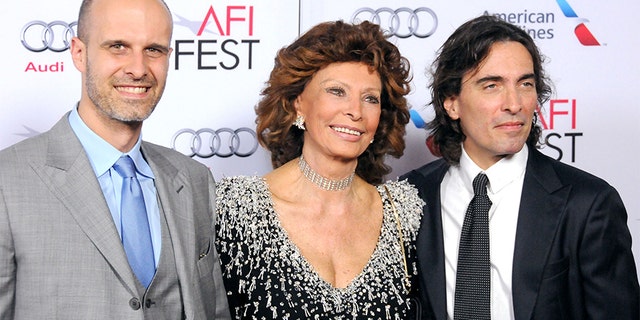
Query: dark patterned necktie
472	295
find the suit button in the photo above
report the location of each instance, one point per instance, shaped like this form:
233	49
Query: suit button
134	303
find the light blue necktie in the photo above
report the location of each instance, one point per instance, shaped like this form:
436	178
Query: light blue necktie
136	237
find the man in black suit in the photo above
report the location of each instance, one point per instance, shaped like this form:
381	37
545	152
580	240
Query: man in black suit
559	243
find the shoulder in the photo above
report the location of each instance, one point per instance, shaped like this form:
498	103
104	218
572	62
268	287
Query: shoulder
172	156
243	208
58	143
405	202
429	173
399	189
15	160
168	163
241	195
35	145
239	186
547	170
13	154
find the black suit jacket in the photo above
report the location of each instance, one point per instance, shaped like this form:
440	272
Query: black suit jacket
572	256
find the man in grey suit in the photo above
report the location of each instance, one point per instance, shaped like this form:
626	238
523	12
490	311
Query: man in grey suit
61	220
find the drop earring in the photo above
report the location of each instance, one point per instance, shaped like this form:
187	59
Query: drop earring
299	123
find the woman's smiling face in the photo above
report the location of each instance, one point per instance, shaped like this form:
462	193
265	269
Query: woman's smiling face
341	108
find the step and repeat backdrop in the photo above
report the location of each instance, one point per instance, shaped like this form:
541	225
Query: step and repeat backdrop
224	50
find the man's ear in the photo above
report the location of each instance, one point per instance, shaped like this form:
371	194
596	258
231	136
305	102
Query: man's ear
79	54
451	106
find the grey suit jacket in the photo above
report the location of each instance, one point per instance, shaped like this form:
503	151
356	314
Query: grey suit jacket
60	253
572	256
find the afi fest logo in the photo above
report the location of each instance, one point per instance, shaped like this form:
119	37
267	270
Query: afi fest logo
218	42
565	112
581	31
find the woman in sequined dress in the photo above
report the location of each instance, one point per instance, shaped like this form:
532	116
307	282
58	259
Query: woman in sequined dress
321	236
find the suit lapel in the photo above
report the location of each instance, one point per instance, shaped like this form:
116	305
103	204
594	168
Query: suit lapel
430	244
69	175
173	195
542	203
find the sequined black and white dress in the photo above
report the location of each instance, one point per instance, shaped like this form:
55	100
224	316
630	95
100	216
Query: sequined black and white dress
266	277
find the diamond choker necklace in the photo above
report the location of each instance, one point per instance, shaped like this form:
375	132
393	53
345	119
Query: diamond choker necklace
322	182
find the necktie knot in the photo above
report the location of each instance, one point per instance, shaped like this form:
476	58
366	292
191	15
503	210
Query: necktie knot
480	184
125	167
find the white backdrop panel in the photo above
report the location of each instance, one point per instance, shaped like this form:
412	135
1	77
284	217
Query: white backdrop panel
216	74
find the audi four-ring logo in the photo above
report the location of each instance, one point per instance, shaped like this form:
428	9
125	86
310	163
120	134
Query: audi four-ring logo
402	22
38	36
224	142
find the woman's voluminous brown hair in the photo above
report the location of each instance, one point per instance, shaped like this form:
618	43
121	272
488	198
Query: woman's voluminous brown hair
295	65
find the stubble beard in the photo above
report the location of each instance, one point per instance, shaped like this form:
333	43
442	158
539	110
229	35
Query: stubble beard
123	110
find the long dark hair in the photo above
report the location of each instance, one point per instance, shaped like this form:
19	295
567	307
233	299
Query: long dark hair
464	51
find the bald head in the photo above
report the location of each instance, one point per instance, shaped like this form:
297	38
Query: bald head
88	7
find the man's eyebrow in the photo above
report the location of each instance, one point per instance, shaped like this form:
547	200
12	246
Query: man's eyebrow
488	79
499	78
158	46
527	76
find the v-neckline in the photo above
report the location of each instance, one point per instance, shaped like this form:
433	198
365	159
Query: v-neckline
353	283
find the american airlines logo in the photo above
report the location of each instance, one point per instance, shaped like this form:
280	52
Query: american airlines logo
581	30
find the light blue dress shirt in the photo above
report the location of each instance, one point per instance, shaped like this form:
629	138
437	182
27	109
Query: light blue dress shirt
102	156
